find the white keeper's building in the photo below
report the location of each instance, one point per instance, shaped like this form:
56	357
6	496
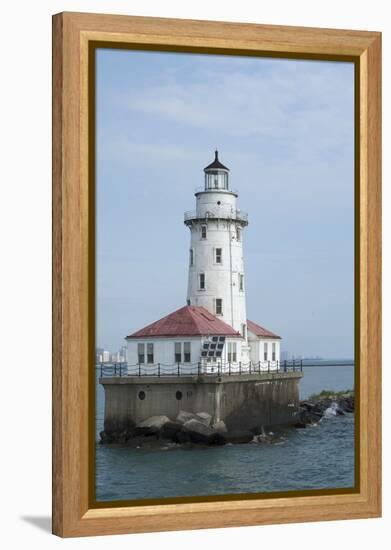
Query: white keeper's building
212	331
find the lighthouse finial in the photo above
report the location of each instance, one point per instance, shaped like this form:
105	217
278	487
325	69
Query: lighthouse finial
216	164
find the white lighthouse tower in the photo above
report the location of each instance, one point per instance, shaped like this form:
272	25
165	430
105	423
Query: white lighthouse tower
216	269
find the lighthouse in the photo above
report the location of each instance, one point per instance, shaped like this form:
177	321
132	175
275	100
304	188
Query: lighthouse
212	330
216	278
206	356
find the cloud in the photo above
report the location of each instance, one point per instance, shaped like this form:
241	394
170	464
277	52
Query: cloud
125	149
309	104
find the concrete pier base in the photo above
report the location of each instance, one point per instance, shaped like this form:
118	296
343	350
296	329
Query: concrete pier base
246	401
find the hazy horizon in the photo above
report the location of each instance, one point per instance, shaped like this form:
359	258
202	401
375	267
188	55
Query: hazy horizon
285	129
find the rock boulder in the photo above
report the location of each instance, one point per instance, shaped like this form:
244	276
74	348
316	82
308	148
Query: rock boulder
219	427
169	430
204	417
184	416
152	425
198	432
238	436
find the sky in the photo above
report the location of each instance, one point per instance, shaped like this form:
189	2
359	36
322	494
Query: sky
285	128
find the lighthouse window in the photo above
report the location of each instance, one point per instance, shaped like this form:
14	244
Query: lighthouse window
219	255
265	351
238	233
241	281
202	281
219	306
141	353
191	256
187	352
178	352
150	353
273	351
203	231
244	330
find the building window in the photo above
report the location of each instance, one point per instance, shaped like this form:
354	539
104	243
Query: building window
219	306
178	352
238	233
218	255
203	231
273	351
265	351
241	282
141	353
187	352
202	281
232	355
149	353
191	256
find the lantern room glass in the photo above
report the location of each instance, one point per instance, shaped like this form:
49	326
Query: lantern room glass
216	179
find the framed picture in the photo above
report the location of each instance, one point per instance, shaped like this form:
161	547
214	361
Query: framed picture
216	298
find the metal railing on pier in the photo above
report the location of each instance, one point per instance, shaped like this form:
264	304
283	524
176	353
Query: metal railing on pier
109	370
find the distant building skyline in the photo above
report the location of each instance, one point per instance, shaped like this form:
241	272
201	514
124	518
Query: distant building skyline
286	129
107	356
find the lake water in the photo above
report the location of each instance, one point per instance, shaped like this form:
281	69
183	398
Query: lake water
315	458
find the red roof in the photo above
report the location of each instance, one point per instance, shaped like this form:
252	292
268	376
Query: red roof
260	331
186	321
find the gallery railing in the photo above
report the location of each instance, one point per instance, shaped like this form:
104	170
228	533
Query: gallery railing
237	215
201	189
109	370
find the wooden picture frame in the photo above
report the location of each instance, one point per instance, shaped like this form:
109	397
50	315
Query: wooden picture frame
74	35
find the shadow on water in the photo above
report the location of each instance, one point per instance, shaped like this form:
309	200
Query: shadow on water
44	523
